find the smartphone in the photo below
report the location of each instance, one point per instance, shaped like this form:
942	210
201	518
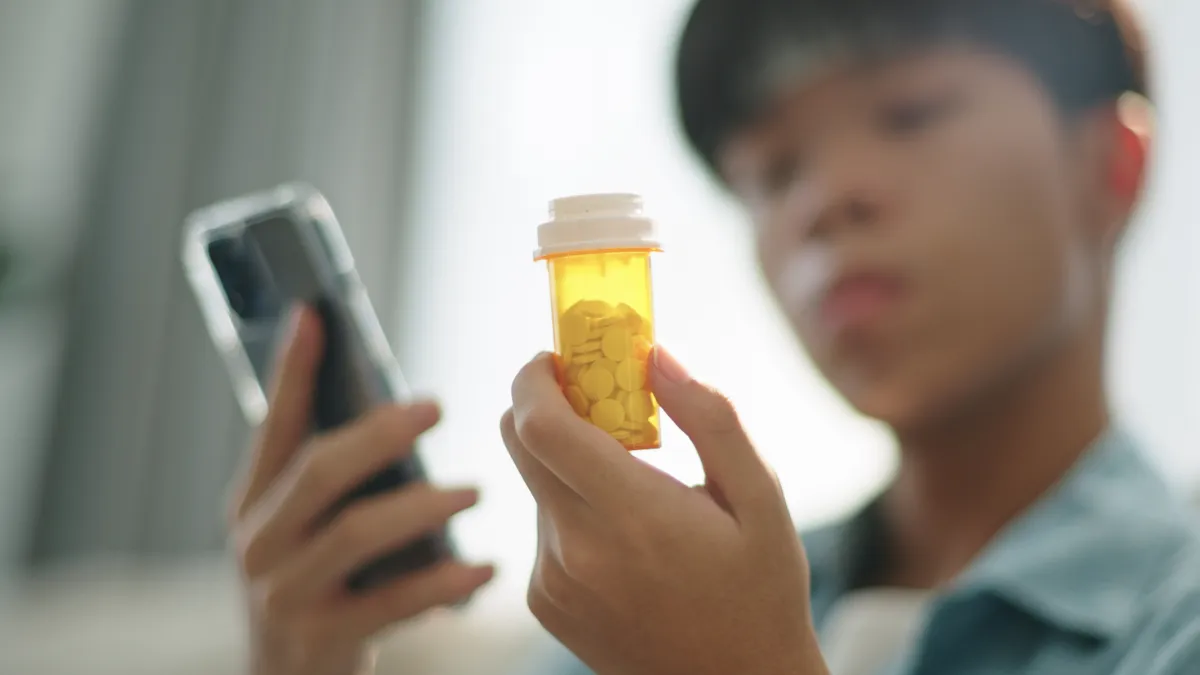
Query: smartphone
249	260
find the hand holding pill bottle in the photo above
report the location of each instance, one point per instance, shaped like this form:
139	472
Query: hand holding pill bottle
597	249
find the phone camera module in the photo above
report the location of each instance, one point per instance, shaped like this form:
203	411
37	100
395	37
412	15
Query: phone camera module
245	281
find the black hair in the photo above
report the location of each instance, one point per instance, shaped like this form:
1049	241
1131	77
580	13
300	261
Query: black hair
733	52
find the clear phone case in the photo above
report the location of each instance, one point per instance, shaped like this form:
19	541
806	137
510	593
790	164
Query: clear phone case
249	260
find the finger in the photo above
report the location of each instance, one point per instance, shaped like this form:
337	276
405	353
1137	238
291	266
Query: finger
360	617
589	461
287	424
364	532
545	486
334	466
730	461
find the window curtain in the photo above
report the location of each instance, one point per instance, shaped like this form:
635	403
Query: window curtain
207	99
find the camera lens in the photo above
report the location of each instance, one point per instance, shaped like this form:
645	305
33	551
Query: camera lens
247	286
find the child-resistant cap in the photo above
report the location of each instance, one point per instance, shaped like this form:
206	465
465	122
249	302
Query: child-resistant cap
598	222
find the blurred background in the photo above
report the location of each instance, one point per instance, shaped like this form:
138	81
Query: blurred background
439	130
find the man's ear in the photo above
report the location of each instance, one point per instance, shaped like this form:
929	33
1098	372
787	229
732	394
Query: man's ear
1129	156
1115	151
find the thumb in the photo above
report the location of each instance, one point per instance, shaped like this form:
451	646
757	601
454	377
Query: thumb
731	464
287	424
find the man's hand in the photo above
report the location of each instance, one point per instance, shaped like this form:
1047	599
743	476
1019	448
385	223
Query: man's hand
295	560
638	574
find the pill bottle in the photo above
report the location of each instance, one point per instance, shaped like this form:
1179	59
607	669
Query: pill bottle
597	249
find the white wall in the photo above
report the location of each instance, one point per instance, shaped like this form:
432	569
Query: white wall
1155	364
531	99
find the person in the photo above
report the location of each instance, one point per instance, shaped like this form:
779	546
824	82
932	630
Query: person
939	189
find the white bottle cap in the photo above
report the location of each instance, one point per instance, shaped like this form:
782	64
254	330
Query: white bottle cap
596	223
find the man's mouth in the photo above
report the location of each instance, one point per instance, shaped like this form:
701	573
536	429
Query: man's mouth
859	300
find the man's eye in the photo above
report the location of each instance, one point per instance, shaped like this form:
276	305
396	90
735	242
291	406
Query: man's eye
778	174
912	117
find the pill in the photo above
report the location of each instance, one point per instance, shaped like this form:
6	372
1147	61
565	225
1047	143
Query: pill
592	308
608	414
575	371
584	359
639	406
588	346
630	375
574	329
640	348
598	384
616	343
603	352
632	319
579	400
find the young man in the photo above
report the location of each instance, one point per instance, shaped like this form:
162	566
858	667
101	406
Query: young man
938	188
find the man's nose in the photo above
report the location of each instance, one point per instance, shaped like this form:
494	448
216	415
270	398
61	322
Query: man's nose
845	193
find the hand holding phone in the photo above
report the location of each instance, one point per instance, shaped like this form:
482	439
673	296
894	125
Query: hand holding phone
295	556
338	533
251	258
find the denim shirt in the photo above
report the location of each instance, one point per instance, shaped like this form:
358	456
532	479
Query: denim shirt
1100	577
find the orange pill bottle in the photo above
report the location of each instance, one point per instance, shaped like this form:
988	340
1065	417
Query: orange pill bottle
597	249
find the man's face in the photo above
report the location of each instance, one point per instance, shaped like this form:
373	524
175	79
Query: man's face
928	226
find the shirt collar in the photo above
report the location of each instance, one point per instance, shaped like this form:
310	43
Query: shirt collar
1087	555
1082	559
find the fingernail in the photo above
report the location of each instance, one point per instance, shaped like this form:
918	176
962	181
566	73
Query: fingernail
474	576
669	367
465	497
425	412
485	573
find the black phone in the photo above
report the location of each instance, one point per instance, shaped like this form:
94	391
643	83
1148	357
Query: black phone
249	260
